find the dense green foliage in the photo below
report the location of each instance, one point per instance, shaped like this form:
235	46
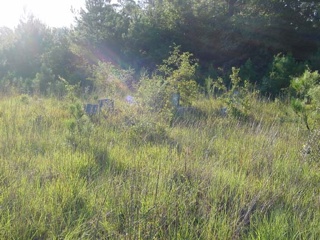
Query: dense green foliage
269	40
214	132
305	97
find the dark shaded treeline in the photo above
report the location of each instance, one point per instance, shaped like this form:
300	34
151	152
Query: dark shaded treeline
139	34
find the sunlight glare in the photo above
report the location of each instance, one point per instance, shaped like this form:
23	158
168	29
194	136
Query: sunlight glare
52	13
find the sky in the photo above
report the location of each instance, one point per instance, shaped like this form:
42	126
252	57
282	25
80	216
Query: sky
54	13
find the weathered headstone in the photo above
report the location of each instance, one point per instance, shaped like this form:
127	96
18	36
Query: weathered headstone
106	104
103	104
91	109
175	98
223	111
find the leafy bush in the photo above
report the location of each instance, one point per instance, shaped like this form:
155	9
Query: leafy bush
305	100
239	98
248	72
176	77
152	93
110	81
44	81
301	85
179	71
282	69
314	94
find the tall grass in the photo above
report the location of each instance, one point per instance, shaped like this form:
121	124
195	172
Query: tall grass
106	177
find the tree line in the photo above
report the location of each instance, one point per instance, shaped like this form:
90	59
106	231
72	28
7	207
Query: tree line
271	41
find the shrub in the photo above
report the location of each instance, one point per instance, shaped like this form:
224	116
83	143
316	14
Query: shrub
175	76
282	69
300	86
247	71
110	81
305	94
44	80
239	98
179	71
152	93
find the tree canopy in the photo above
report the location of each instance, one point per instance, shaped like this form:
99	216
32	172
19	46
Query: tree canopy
139	34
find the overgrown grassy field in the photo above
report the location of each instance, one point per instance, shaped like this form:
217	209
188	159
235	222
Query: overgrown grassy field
124	175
